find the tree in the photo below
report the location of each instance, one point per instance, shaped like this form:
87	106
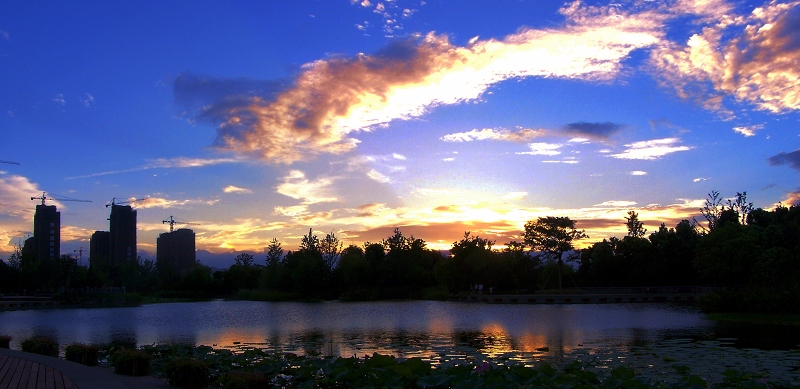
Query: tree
740	205
310	242
244	259
635	226
274	253
711	210
553	236
331	248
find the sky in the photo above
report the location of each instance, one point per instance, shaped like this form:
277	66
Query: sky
253	120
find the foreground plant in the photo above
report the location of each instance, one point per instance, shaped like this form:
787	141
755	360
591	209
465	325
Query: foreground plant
84	354
254	368
5	340
40	345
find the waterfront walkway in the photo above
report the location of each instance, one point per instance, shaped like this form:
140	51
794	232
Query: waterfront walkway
33	371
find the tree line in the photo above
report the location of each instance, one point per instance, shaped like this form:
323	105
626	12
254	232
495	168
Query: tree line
754	254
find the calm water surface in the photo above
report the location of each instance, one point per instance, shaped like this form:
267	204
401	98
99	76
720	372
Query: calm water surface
404	328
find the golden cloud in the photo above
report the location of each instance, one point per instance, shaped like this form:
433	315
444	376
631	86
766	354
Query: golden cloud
758	66
334	98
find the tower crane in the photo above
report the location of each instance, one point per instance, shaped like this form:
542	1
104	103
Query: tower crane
126	202
172	222
9	162
44	198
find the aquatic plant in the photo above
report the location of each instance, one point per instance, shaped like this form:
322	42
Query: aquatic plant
187	373
5	340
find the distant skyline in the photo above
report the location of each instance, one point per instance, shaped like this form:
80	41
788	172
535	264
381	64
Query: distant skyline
260	120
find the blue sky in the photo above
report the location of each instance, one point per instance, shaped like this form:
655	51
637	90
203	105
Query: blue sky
260	120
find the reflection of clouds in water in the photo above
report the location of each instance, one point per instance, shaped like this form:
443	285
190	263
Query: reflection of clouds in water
426	329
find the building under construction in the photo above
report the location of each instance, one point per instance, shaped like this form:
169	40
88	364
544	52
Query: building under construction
175	251
118	245
46	240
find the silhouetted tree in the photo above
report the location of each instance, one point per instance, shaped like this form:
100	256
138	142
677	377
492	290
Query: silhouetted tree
552	236
635	227
330	247
244	259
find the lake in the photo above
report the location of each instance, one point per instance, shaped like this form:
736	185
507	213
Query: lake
403	328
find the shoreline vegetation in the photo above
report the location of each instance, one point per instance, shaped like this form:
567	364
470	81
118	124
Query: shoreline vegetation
751	256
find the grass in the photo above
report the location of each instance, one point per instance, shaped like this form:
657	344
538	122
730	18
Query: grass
758	318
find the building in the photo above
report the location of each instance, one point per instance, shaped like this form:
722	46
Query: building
46	240
122	234
176	251
99	249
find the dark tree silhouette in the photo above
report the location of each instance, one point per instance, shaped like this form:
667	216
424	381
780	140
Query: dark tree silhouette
635	226
552	236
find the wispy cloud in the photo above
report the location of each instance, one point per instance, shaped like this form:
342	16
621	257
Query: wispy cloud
748	131
651	149
236	190
699	179
752	58
638	173
517	135
297	186
5	35
616	204
59	99
88	101
180	162
333	98
161	202
543	149
596	131
791	158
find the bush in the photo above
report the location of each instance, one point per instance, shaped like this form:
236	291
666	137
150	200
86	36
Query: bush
131	362
187	373
41	345
4	341
245	380
81	353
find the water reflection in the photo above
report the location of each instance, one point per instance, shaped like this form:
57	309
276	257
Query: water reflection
410	328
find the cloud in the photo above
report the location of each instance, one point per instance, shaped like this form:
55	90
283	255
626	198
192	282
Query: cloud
651	149
792	199
638	173
748	131
297	186
16	209
752	58
160	202
543	149
378	176
515	195
518	135
236	189
791	158
616	204
88	101
180	162
59	99
596	131
700	179
567	160
332	99
5	35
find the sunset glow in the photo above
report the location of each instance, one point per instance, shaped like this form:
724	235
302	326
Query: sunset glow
260	120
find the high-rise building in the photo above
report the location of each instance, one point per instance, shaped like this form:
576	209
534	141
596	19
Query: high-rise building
99	249
176	250
46	240
122	234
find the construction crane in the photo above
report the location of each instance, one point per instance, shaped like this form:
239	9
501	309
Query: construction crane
172	222
44	198
115	202
10	162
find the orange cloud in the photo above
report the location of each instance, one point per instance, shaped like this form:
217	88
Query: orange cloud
758	66
332	99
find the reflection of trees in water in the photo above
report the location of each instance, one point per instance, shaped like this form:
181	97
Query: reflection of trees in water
122	338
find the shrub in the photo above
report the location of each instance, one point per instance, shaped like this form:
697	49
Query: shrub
187	373
131	362
245	380
4	341
81	353
41	345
